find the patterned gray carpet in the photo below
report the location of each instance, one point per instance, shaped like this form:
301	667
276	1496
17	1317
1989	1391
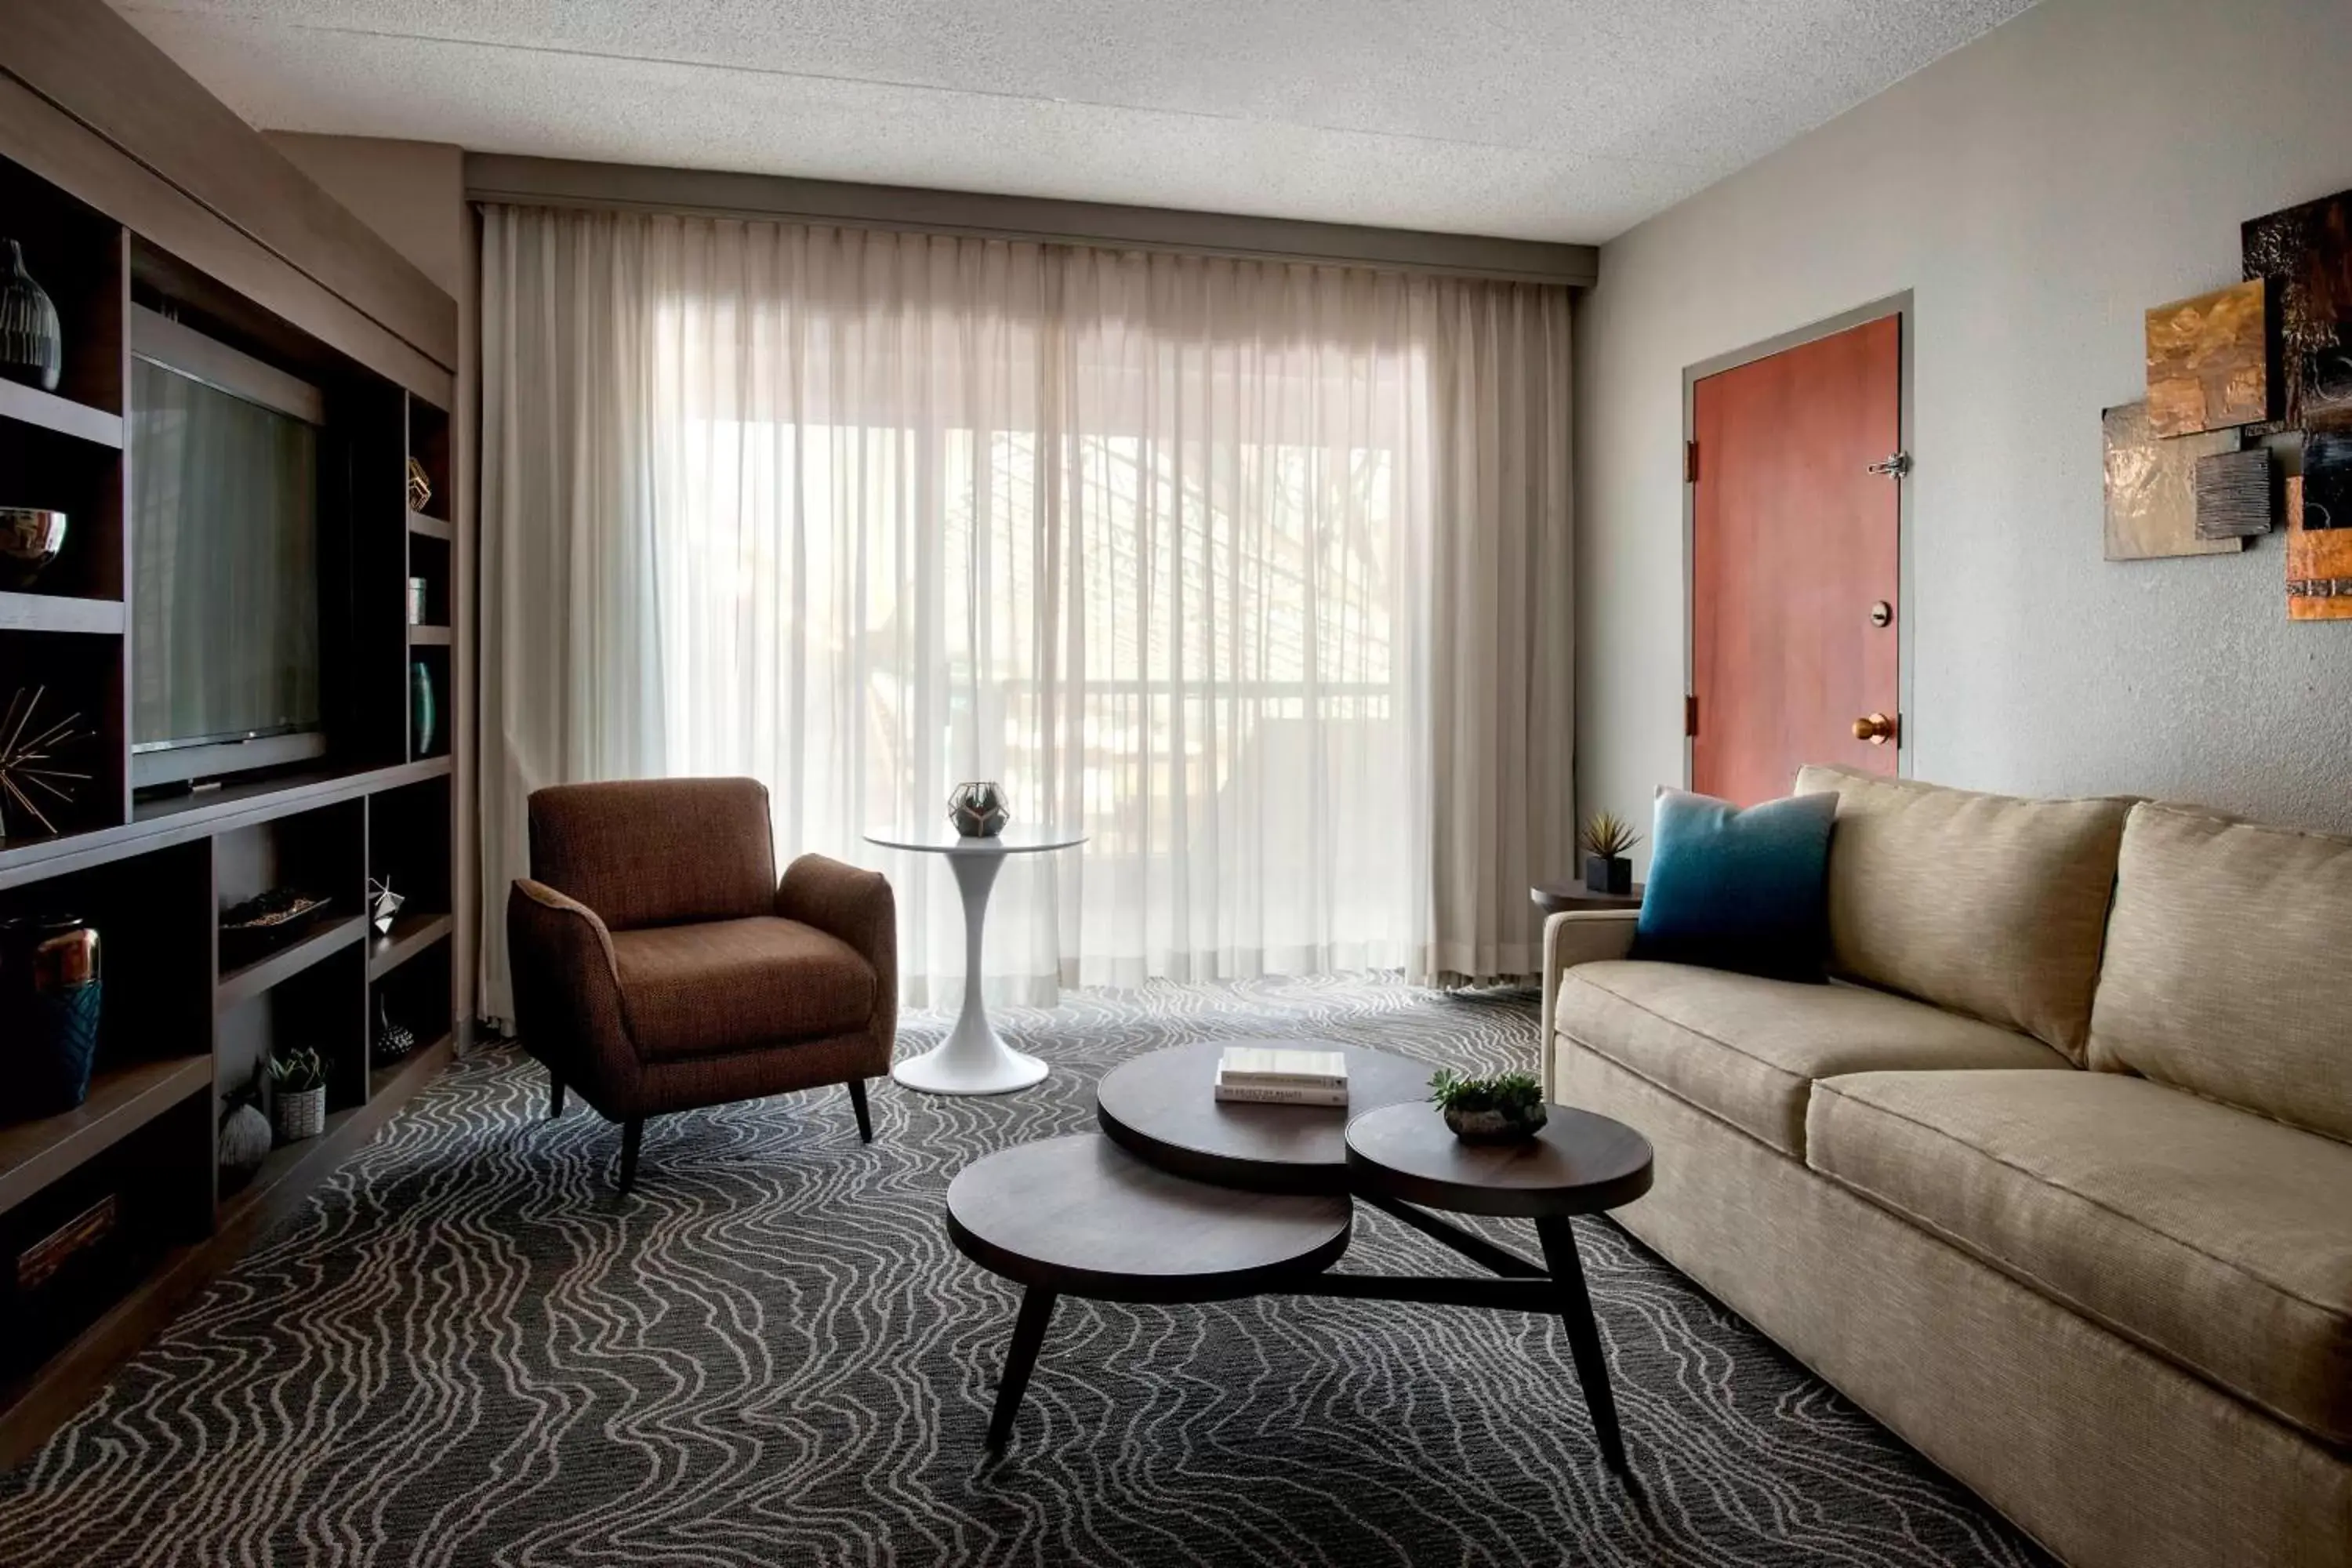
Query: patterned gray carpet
467	1350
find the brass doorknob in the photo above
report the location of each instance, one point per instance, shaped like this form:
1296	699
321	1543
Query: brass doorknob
1878	729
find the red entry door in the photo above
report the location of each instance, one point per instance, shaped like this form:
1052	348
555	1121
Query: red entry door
1794	564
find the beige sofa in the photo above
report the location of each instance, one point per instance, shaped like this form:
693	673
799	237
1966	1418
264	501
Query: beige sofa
2056	1183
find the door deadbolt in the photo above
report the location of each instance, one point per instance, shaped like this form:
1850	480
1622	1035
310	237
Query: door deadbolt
1882	613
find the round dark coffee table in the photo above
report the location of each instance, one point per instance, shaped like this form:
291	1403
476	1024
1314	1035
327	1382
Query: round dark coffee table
1160	1108
1580	1163
1186	1199
1077	1215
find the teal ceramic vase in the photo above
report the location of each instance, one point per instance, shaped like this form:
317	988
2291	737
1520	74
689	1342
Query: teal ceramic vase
49	987
423	708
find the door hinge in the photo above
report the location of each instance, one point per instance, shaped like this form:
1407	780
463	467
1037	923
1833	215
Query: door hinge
1690	715
1690	462
1894	466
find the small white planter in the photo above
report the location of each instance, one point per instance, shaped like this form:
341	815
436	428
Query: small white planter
302	1114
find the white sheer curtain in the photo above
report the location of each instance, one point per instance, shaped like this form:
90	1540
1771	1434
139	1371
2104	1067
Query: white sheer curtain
1257	574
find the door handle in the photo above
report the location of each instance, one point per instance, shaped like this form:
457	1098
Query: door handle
1877	728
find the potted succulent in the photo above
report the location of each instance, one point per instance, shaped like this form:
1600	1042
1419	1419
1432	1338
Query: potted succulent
298	1086
1500	1109
1607	836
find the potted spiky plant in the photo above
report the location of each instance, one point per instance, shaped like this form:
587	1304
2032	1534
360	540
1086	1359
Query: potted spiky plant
1607	836
1501	1108
298	1093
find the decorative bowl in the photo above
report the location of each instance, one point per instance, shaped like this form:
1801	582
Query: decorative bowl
30	539
978	810
1496	1126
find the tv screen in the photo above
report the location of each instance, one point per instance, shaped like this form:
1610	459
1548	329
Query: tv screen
223	496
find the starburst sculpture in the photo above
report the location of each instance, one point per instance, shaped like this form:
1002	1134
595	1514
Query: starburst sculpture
28	751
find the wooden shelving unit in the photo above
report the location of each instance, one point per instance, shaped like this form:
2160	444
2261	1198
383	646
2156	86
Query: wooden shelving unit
121	1101
61	612
63	415
179	1033
409	935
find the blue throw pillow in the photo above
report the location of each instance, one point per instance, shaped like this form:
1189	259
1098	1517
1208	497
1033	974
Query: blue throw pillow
1739	889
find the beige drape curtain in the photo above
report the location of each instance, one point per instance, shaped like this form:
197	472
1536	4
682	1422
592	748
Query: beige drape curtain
1257	574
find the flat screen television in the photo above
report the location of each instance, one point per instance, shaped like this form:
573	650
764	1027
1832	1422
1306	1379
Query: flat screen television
224	574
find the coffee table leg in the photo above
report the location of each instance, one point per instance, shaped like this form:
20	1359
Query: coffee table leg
1584	1335
1028	1333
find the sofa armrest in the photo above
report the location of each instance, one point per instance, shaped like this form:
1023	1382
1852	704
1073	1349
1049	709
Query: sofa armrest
567	987
1570	938
857	907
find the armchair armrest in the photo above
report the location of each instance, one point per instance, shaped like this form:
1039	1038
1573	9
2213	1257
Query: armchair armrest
858	908
567	987
1570	938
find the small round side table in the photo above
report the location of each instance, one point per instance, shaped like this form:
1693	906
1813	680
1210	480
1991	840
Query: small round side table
973	1059
1553	898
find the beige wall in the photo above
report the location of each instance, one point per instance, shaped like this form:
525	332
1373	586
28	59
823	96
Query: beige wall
414	194
2036	191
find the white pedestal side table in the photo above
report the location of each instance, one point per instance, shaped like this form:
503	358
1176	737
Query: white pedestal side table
972	1059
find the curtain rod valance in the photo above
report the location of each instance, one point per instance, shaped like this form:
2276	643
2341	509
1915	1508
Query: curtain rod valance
565	182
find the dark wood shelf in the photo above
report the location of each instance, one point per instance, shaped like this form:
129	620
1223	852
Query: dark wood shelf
174	819
431	527
122	1100
394	1084
411	934
63	414
292	1169
58	612
245	983
428	636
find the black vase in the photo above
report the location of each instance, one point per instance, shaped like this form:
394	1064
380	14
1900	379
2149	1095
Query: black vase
32	344
1608	874
49	991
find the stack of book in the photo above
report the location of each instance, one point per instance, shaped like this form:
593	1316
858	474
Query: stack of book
1270	1075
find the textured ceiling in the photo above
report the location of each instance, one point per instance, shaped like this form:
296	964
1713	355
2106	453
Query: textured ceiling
1563	120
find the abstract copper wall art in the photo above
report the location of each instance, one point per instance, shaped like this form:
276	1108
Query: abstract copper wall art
2151	488
2305	256
2208	361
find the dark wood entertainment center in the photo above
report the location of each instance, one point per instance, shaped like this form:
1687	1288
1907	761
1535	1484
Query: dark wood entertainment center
129	186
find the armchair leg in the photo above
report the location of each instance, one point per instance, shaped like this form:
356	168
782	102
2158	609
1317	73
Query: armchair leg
632	1132
554	1095
858	1104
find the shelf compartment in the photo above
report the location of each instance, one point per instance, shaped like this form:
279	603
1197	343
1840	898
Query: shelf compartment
61	612
61	415
59	470
241	986
78	677
32	1155
396	1082
411	935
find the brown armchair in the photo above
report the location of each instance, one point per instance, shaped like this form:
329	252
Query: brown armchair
659	965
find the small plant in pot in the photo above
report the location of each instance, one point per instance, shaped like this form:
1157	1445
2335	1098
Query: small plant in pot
298	1086
1499	1109
1607	836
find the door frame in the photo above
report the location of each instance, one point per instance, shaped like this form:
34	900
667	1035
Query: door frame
1900	307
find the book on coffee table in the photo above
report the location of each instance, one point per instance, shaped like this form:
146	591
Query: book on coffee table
1278	1094
1283	1067
1269	1075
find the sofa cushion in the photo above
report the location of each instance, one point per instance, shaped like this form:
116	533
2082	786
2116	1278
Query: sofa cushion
1736	890
2226	968
728	985
1746	1049
2215	1238
1986	904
